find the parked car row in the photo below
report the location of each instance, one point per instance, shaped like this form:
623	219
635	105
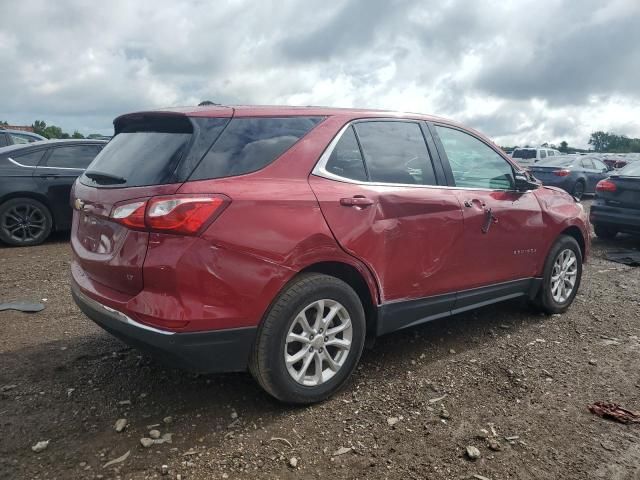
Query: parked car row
575	174
35	186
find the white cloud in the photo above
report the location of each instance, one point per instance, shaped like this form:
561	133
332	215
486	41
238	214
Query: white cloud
521	71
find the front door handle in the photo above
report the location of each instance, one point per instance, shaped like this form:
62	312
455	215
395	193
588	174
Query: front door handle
489	219
356	201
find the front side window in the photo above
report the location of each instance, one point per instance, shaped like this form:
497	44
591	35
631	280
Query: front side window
249	144
543	154
473	163
19	139
586	163
395	152
524	153
77	156
346	159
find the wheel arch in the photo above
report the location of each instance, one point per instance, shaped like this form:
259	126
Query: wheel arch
365	288
576	233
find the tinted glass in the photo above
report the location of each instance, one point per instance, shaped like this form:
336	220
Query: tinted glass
30	159
473	163
76	156
346	159
551	153
3	140
524	153
543	154
249	144
142	158
395	152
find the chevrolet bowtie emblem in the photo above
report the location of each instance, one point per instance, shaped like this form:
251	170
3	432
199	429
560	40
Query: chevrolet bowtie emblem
78	204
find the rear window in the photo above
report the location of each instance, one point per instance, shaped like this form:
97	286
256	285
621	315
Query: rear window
631	170
249	144
149	150
556	162
524	153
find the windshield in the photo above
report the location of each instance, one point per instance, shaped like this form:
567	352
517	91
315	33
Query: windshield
524	153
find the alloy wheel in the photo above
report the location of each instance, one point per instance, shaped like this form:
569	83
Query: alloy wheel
24	222
564	275
318	342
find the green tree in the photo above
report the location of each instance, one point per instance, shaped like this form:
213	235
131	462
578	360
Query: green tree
77	134
564	146
39	127
52	131
3	123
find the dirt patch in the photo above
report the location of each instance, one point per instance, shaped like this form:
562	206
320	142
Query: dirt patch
512	383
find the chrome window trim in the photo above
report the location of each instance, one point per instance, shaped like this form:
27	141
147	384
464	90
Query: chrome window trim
18	164
320	170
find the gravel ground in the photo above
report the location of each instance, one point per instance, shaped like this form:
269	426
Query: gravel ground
419	398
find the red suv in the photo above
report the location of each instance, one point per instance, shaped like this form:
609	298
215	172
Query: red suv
278	238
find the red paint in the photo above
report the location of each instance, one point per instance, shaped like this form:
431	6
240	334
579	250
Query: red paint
406	242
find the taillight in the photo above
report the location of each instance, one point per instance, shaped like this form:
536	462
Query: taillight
606	186
177	214
561	173
130	215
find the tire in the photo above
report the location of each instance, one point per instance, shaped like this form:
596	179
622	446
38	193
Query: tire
578	189
546	301
299	300
605	233
24	222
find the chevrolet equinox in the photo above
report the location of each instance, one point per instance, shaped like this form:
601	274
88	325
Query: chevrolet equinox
276	239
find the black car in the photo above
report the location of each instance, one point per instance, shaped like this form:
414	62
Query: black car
18	137
35	185
616	207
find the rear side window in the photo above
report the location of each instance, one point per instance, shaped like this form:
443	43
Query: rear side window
30	159
77	156
543	154
249	144
3	140
395	152
346	160
587	163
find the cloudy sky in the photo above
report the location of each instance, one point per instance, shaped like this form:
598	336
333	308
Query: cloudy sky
521	71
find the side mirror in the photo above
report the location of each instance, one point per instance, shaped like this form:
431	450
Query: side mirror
523	183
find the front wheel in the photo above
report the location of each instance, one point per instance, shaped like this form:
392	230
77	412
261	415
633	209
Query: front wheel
310	341
578	189
562	275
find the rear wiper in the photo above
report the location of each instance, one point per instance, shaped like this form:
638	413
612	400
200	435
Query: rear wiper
104	178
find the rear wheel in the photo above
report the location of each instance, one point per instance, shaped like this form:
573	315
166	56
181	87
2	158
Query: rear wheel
24	222
310	341
562	275
578	189
605	233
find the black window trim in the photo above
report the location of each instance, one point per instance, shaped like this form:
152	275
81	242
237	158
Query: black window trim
320	169
447	166
39	148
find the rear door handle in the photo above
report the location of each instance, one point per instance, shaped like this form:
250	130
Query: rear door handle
356	201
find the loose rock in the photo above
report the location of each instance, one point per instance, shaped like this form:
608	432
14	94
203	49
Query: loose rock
473	453
168	419
146	442
155	434
164	470
293	462
40	446
494	444
121	424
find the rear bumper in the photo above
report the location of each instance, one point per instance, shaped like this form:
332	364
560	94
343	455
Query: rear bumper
624	219
205	352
